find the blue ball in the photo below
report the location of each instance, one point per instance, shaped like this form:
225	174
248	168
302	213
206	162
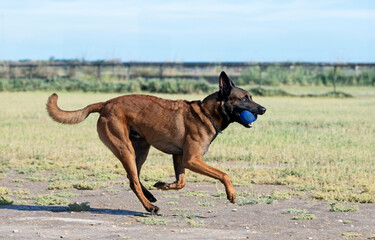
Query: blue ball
247	117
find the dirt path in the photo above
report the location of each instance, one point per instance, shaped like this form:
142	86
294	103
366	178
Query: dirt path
119	215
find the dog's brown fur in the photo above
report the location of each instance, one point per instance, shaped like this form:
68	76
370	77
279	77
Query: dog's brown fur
130	124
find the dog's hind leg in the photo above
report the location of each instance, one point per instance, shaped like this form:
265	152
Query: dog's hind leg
179	170
115	136
141	148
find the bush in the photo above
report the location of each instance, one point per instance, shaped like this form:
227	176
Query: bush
153	85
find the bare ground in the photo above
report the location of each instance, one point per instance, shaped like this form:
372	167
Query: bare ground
114	215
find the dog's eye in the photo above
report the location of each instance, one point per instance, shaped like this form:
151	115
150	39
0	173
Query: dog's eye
244	99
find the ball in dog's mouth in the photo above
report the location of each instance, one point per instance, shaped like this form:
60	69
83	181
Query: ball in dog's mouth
247	118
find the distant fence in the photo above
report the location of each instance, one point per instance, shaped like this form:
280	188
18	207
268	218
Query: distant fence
113	70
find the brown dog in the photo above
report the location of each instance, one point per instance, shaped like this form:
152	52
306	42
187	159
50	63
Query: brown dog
130	124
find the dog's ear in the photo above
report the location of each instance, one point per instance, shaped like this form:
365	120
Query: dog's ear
226	85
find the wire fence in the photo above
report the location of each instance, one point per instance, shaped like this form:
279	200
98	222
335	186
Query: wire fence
255	72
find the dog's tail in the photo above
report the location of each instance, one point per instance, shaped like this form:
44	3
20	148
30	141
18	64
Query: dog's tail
70	117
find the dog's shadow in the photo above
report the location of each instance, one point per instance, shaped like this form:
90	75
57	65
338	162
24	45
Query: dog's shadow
34	208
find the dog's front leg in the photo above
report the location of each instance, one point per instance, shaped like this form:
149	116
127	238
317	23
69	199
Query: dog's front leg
193	161
179	170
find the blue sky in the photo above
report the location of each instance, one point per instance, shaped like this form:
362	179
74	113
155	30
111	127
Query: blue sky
162	30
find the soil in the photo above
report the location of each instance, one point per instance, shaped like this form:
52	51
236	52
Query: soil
114	216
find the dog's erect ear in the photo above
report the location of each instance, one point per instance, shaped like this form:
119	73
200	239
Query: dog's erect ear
226	85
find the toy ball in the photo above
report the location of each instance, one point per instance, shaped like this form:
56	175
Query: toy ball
247	117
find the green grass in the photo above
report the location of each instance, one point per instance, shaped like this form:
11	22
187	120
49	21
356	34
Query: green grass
304	217
321	145
296	211
152	221
5	201
341	207
195	223
5	191
351	234
50	199
257	200
79	207
201	194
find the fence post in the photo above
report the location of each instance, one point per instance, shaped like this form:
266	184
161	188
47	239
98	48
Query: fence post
161	71
30	72
99	73
10	72
260	74
334	78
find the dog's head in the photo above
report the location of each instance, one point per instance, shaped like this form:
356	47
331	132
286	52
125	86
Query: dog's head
235	100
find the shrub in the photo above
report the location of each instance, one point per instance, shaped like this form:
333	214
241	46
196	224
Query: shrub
79	207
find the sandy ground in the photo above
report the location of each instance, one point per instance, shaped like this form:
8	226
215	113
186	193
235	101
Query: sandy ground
114	216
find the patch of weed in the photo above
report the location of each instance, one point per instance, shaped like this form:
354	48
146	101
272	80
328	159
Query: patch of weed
6	201
65	194
86	186
220	195
152	221
196	194
113	191
179	209
21	192
18	180
258	200
59	185
304	217
4	191
172	203
351	235
50	199
296	211
205	204
194	223
79	207
341	207
37	178
171	196
304	187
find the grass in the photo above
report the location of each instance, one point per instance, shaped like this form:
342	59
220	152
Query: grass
321	145
79	207
195	223
304	217
258	200
296	211
5	201
341	207
50	199
351	234
5	191
201	194
86	186
205	204
152	221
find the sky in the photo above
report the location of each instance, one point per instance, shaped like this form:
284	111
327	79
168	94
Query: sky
211	30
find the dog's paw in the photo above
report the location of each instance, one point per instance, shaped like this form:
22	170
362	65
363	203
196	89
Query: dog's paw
161	185
153	209
232	197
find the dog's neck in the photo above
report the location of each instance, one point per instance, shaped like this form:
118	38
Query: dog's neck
215	108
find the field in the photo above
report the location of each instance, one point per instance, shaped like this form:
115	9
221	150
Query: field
304	153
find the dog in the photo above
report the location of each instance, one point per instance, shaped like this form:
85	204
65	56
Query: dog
128	125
